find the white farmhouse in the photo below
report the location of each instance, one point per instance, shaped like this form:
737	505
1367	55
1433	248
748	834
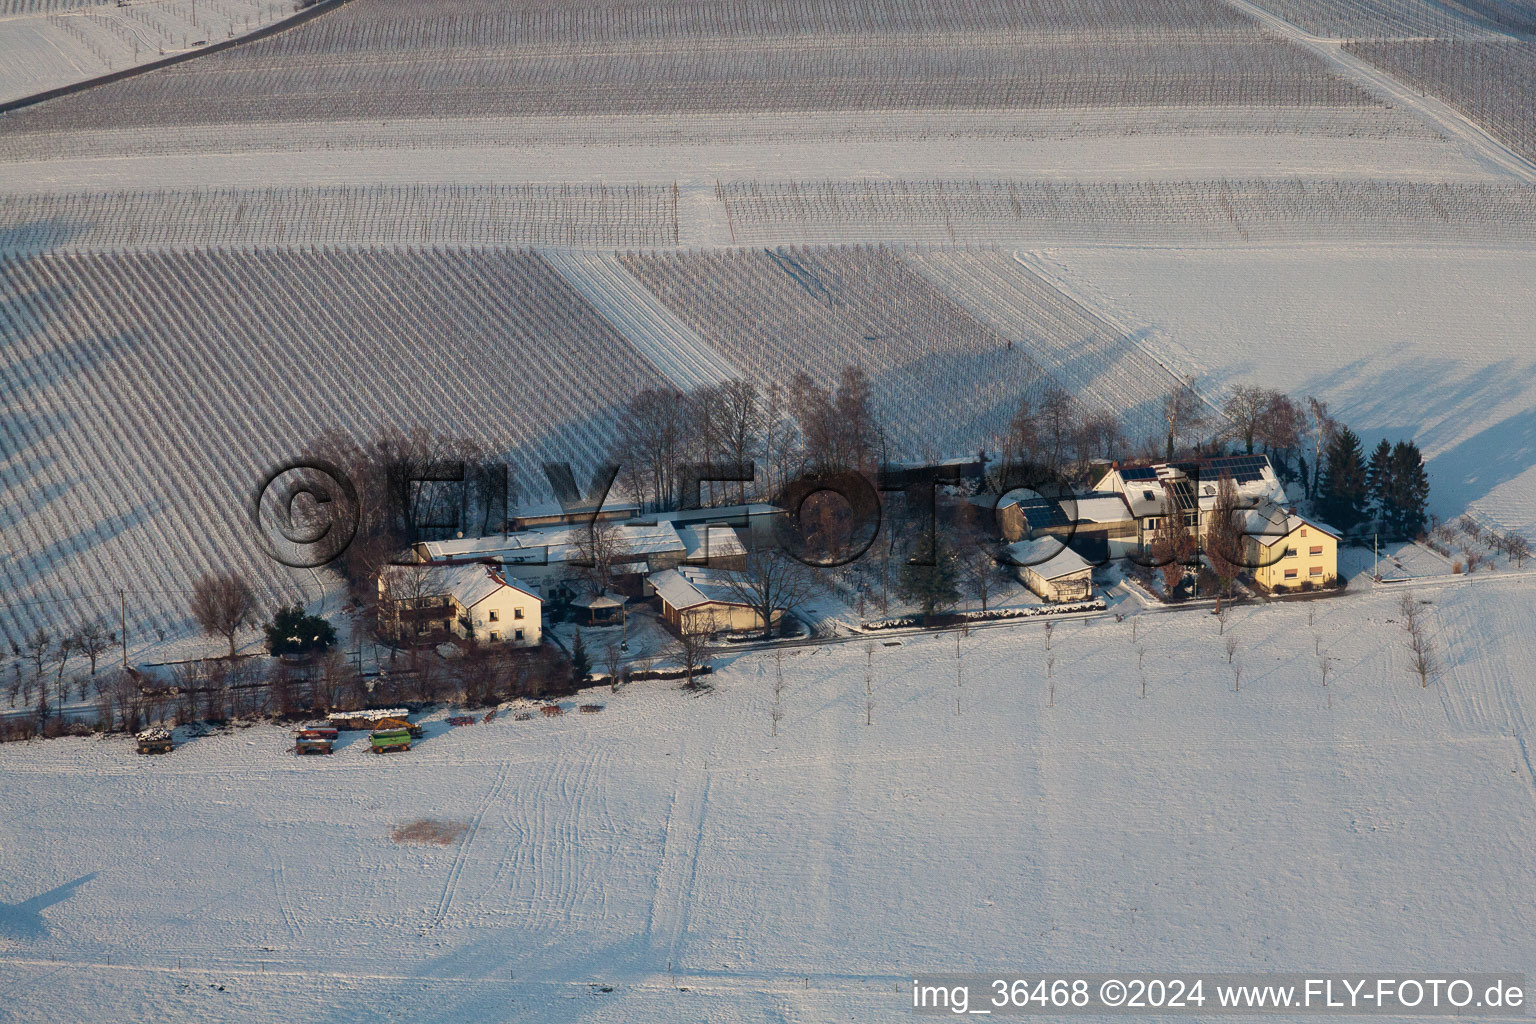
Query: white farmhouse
474	600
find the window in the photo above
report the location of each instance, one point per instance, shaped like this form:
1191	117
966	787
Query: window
1303	531
1290	574
1290	553
495	616
1316	570
1317	549
517	613
518	635
495	637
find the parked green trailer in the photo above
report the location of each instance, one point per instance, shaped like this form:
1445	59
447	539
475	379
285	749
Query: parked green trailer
382	741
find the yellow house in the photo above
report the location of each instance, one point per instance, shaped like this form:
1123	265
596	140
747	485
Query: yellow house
1288	551
705	600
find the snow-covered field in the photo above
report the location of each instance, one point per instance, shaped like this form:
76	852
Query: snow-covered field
1403	342
45	46
671	849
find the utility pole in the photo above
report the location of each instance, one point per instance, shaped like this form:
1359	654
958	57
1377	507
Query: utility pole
122	623
1375	557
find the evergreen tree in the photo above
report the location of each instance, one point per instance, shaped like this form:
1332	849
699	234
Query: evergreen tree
1378	478
1409	491
581	664
293	632
932	587
1343	494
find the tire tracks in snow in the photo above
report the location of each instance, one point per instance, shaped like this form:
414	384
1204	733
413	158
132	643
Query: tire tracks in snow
456	871
676	874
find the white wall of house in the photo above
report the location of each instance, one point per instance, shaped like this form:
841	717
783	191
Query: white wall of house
506	616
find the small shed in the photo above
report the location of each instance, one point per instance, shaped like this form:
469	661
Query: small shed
1054	572
706	600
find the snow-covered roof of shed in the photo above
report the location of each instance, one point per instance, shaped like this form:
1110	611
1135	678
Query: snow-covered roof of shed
1036	555
690	586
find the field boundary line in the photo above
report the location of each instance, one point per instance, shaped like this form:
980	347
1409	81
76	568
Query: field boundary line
298	18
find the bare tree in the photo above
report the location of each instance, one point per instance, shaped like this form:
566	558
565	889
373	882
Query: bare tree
601	549
1245	408
1518	548
691	648
1324	665
222	603
771	580
1237	676
1183	412
66	646
1322	427
1231	648
741	423
649	449
979	567
1059	426
1021	446
1421	648
37	646
93	640
613	659
1225	538
1173	544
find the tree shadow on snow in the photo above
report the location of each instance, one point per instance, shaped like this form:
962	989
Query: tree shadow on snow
24	921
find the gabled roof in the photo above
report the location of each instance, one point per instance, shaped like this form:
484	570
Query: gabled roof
1036	556
690	587
468	584
1270	526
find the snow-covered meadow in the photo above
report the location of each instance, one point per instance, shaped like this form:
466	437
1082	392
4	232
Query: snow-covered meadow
672	850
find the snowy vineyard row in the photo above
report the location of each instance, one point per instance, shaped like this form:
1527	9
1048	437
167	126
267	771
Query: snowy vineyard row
433	24
379	215
1493	83
144	396
1256	210
248	85
945	379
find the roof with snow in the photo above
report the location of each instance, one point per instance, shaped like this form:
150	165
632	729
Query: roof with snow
704	542
597	601
1268	526
1092	507
467	583
1037	556
692	586
1194	482
554	544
